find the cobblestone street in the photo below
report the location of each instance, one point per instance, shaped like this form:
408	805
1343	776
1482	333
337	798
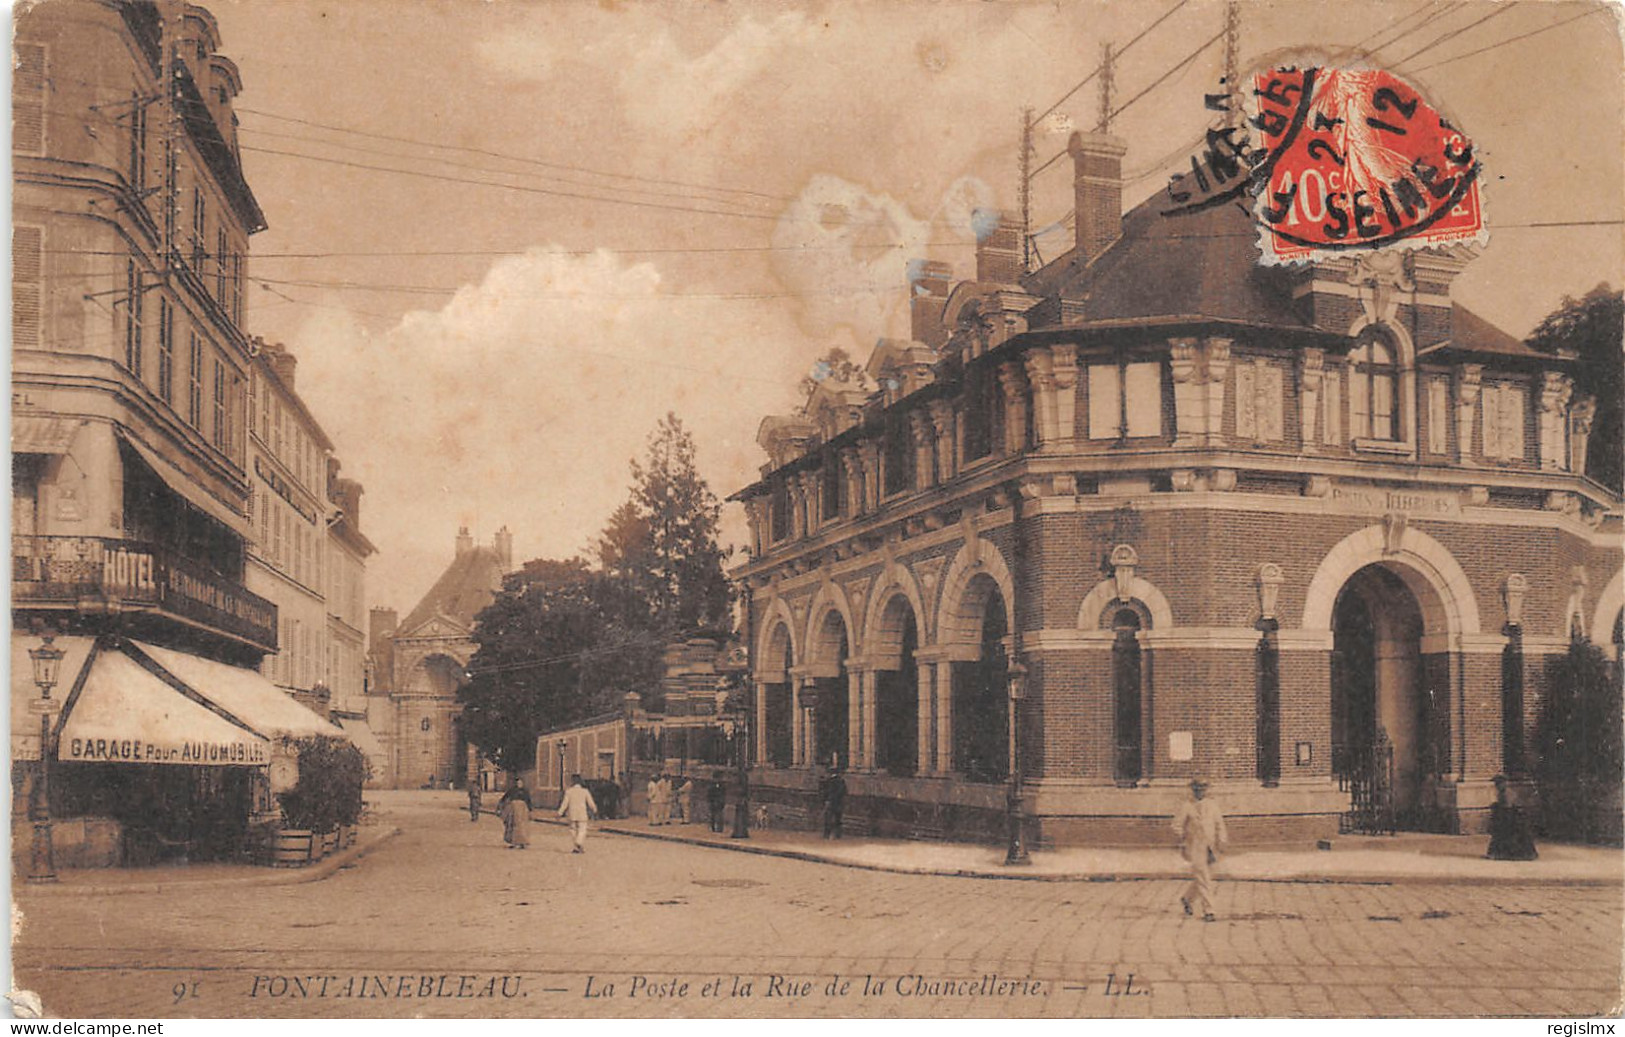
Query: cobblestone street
537	932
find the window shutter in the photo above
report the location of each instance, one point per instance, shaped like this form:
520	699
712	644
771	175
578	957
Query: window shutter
1491	404
28	99
1142	392
1246	402
27	285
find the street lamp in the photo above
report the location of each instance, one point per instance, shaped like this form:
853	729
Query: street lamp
742	761
47	659
1016	851
562	744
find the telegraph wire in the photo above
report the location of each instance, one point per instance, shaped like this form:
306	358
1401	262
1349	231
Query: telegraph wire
515	158
1444	10
1166	76
1512	39
1499	10
1120	52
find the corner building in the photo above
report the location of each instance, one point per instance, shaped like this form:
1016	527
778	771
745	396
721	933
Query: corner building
1156	512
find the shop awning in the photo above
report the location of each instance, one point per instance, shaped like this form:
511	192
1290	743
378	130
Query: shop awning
244	694
120	712
185	489
42	434
359	731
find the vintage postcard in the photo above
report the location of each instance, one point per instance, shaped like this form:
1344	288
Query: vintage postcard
823	509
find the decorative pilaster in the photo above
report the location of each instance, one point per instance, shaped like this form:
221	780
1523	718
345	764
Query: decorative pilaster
1190	395
759	728
1468	384
854	713
798	508
867	734
812	500
1581	416
942	422
869	455
924	673
753	516
1311	372
852	471
1015	406
1040	377
1218	366
944	692
798	738
1555	392
922	436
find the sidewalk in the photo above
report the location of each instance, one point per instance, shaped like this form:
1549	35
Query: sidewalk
1352	859
162	878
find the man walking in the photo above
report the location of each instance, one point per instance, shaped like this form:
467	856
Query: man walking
1202	836
716	800
577	808
473	799
834	803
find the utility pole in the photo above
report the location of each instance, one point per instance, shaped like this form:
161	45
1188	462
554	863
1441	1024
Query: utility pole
1106	85
1027	190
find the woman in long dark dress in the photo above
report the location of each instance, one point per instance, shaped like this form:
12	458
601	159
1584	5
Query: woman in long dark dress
515	810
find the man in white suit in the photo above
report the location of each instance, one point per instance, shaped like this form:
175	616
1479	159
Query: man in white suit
578	808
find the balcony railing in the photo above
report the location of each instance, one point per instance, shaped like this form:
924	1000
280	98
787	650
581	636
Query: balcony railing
102	571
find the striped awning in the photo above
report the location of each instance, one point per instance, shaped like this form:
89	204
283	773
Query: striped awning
43	433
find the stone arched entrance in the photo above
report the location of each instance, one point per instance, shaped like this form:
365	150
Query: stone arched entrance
776	742
1389	724
897	689
431	749
830	648
981	710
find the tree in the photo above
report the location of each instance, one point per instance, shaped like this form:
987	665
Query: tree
1593	328
836	366
553	650
663	541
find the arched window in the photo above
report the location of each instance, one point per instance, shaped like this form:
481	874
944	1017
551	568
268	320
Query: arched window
425	724
1126	684
1374	387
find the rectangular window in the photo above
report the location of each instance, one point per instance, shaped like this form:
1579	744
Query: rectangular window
237	289
1125	400
198	221
1142	399
898	464
1504	405
220	268
166	350
221	430
1105	402
980	406
253	402
28	99
27	286
132	317
137	172
1259	401
194	382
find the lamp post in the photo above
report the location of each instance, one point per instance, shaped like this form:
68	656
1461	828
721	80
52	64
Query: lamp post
1016	851
742	760
562	744
47	660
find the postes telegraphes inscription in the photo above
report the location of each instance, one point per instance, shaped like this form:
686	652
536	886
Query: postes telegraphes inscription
1335	160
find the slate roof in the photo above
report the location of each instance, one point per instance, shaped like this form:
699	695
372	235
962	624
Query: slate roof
1199	265
466	587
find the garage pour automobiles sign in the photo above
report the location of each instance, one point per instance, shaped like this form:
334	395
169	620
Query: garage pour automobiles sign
1336	160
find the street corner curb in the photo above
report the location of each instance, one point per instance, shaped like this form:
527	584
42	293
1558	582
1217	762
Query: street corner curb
1169	875
261	876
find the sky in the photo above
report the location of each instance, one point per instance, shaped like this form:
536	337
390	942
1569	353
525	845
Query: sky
506	237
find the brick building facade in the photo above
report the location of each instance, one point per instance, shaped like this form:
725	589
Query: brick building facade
1308	532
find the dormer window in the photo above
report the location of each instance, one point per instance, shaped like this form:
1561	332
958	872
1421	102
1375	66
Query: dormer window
1374	388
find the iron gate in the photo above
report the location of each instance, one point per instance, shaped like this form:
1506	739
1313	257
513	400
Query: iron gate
1370	781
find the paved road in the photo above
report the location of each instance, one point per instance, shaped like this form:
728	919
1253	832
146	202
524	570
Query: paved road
443	921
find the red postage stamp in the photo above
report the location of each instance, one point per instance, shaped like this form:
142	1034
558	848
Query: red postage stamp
1358	159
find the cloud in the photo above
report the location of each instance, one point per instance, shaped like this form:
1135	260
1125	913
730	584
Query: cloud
521	401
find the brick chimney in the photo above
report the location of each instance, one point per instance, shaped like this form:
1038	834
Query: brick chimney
283	363
502	544
381	624
1097	185
998	247
465	543
929	282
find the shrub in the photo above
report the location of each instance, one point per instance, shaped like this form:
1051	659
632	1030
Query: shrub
328	792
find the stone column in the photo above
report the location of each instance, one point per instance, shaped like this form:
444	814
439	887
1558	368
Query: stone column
1467	390
867	733
759	726
852	469
854	713
1015	406
798	508
944	692
924	674
1581	417
869	454
797	737
753	516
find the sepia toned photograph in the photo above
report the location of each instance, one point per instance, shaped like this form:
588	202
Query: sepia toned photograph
860	509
